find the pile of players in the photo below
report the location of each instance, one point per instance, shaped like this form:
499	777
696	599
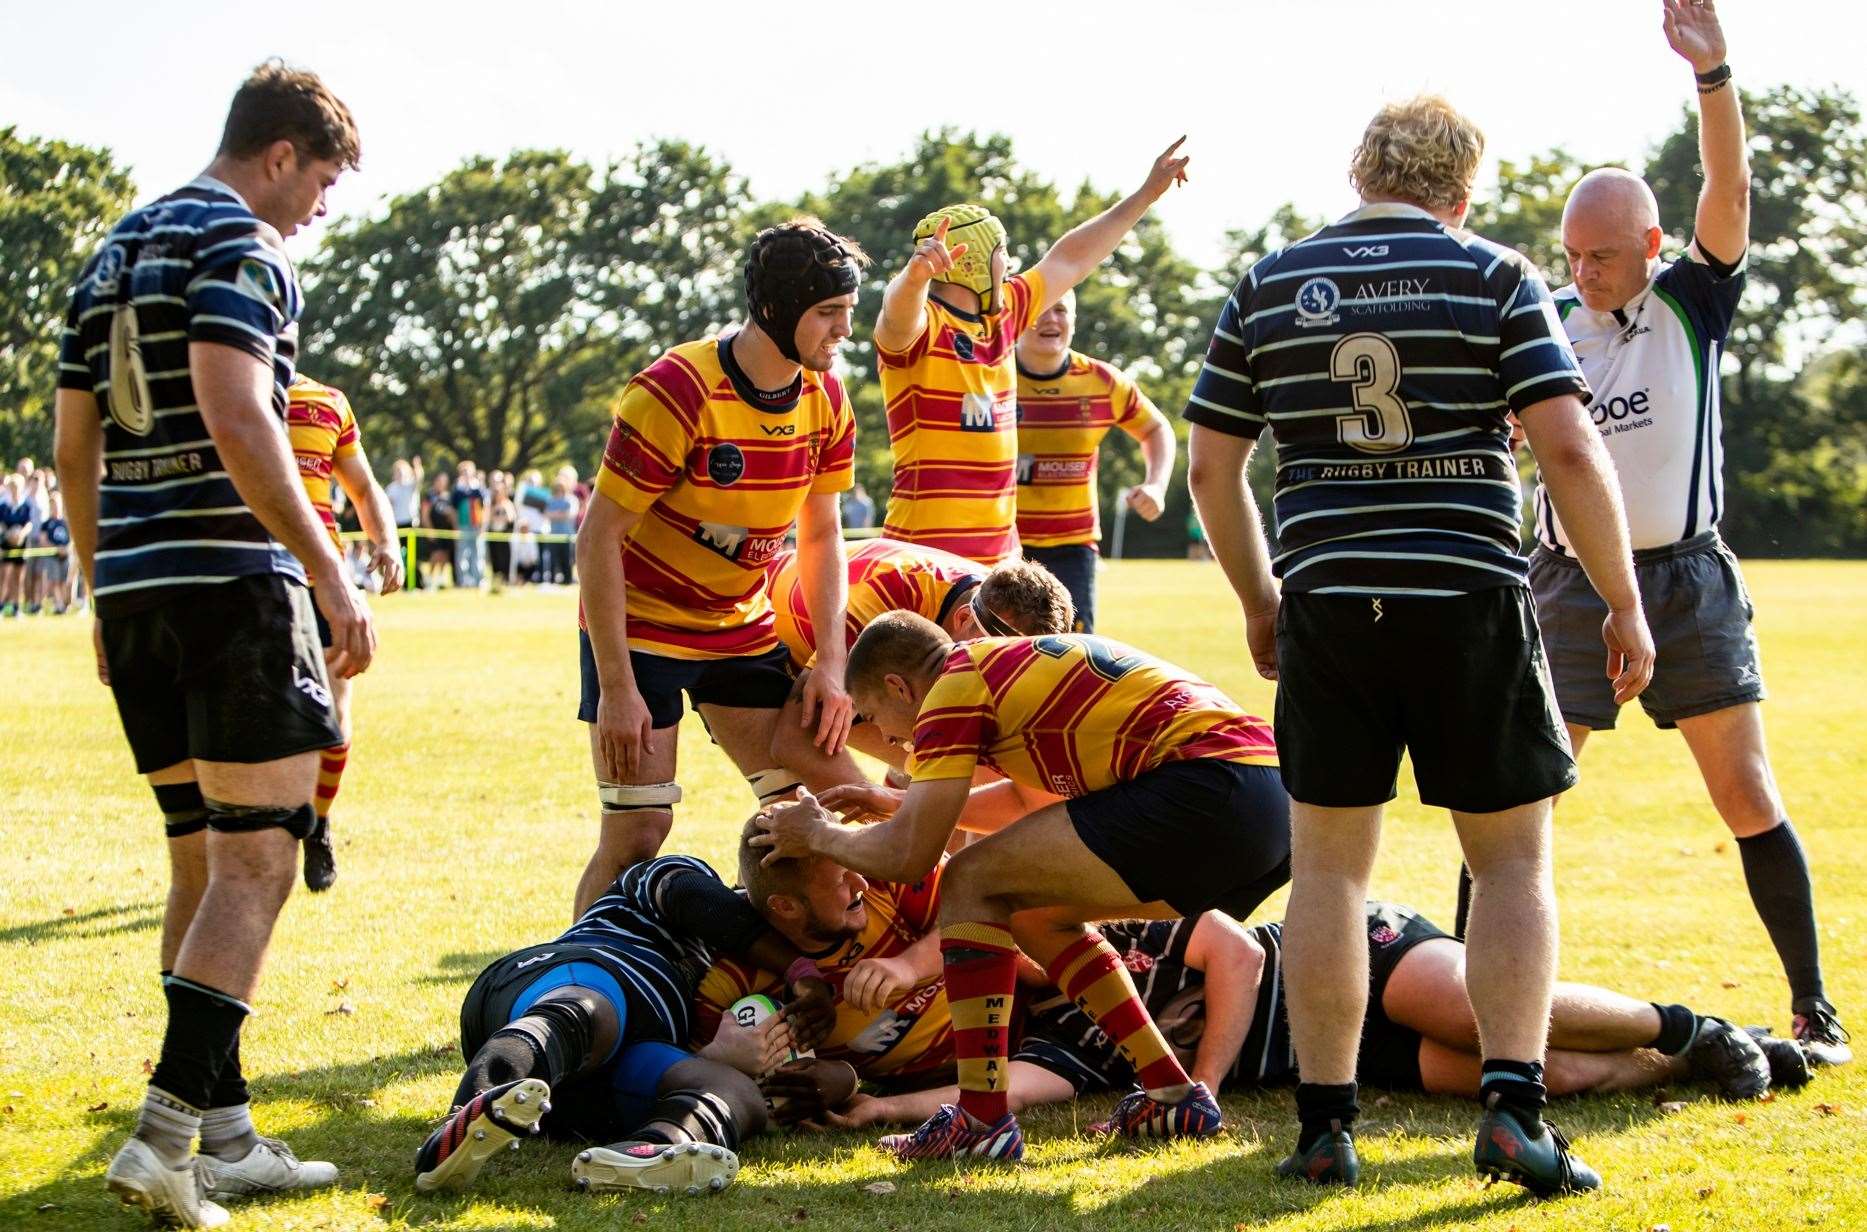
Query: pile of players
964	980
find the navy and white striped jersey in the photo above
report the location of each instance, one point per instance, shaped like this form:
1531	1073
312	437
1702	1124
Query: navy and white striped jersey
1384	351
195	266
1067	1042
658	961
1653	365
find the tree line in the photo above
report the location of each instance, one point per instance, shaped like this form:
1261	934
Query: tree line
495	313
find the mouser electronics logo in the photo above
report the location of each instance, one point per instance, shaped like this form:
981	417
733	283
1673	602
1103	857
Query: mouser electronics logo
978	413
738	544
1316	303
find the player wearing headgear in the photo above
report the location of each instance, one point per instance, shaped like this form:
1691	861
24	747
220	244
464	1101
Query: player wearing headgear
944	345
1217	990
328	447
196	539
1134	788
1067	402
586	1037
888	576
1386	352
718	448
1649	335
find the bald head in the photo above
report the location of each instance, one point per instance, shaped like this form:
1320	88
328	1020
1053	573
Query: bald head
1611	234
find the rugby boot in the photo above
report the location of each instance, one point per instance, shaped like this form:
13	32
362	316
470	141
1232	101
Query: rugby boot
1542	1163
1330	1160
1730	1058
952	1134
270	1167
477	1130
171	1197
1139	1115
1789	1065
320	858
692	1168
1820	1033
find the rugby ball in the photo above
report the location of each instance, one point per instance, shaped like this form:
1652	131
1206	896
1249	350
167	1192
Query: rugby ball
750	1011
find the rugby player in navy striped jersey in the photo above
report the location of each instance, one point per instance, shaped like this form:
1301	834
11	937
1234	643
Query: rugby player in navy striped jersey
191	525
1386	352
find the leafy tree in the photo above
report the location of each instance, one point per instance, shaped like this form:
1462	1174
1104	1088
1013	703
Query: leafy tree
57	201
1525	209
493	314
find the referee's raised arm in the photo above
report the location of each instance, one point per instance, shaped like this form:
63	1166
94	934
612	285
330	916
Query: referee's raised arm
1722	226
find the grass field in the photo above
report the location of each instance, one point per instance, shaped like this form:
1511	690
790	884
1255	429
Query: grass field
467	814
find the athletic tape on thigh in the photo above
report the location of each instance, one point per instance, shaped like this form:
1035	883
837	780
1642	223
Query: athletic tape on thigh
626	797
184	812
246	818
768	785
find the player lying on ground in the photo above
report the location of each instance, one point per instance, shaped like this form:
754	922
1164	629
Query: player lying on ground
719	448
584	1037
1167	804
1216	988
885	575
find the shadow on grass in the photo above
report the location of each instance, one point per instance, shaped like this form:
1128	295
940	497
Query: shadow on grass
460	968
103	922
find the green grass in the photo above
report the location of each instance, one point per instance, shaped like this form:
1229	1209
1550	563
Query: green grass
467	815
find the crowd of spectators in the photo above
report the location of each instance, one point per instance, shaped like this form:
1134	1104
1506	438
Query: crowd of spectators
36	573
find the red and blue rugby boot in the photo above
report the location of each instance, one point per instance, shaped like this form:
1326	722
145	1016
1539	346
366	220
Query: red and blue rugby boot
1139	1115
953	1134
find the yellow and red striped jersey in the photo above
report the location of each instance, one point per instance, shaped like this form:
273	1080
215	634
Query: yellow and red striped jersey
322	428
951	398
1074	713
718	471
885	575
910	1038
1061	422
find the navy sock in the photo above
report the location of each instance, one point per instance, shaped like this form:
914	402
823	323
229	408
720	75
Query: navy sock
1321	1107
1778	876
1518	1086
203	1025
1678	1028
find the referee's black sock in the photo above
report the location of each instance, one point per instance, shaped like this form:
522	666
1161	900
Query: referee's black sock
1320	1107
1778	876
1519	1088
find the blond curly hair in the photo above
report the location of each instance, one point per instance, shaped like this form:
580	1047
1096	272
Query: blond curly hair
1422	151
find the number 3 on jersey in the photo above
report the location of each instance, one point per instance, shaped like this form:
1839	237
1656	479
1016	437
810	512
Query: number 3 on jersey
1379	423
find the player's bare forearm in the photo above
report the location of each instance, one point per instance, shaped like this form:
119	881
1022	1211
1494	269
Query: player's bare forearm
994	806
1088	244
904	310
825	573
1580	476
78	453
1229	512
1722	226
1158	450
373	510
600	585
234	392
906	846
1233	965
923	957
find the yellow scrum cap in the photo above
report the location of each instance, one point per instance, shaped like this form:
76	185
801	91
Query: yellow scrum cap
981	232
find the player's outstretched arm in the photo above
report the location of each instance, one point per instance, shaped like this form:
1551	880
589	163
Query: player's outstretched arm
1233	963
1580	477
903	848
376	515
1216	464
904	302
1088	244
234	390
1722	227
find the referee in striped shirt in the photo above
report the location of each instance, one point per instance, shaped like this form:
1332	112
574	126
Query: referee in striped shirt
190	523
1386	353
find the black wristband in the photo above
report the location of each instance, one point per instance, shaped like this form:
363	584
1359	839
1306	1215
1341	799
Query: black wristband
1717	76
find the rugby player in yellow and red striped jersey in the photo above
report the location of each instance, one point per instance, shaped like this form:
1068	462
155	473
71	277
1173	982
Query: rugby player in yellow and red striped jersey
944	347
885	575
329	450
1134	790
718	448
1067	402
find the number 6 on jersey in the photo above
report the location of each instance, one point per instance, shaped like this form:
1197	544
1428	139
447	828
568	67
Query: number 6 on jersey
1379	423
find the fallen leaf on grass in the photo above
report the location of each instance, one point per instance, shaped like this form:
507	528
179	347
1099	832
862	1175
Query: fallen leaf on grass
1670	1105
640	1217
1661	1227
1719	848
1740	1118
377	1202
147	1067
338	986
99	1106
346	1006
1707	1191
1730	983
43	1207
800	1215
1829	1109
881	1188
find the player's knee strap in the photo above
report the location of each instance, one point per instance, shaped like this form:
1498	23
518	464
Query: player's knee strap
587	1016
702	1116
246	818
184	812
773	784
628	797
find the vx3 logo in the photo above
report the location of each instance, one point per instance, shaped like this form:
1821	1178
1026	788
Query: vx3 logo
778	429
1367	250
